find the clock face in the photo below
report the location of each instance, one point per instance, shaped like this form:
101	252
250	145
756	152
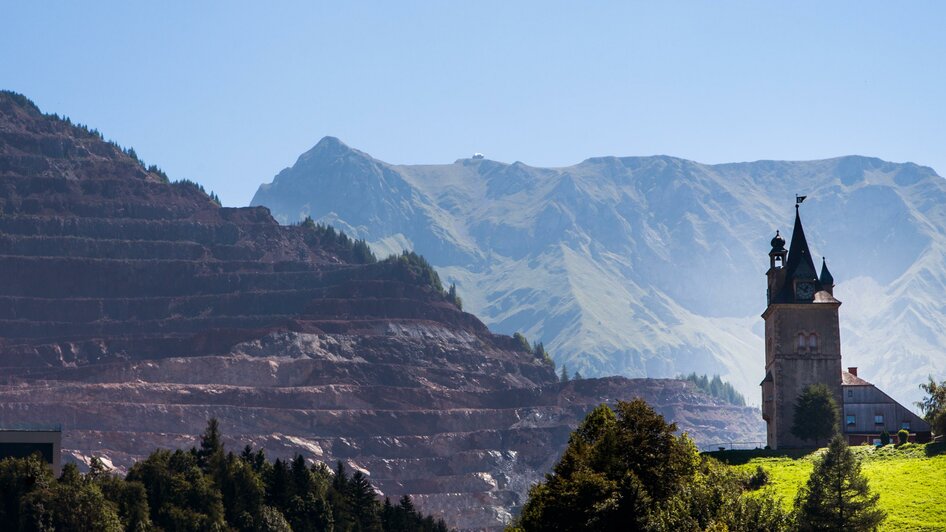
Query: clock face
805	290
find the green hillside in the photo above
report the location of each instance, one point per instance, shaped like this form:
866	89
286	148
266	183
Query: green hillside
911	479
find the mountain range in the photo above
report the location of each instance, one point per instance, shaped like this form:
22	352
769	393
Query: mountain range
134	309
652	266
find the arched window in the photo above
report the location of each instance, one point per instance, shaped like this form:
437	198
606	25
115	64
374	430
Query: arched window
801	340
812	341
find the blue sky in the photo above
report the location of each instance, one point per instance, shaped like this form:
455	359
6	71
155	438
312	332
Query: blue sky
228	94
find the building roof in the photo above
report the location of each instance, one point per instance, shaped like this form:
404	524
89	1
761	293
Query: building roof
850	379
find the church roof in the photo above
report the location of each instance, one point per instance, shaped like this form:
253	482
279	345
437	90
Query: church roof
799	267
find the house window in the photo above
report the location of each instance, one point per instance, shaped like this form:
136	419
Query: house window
850	394
850	419
812	342
905	425
879	419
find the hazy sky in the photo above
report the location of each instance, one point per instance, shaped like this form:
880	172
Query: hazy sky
229	93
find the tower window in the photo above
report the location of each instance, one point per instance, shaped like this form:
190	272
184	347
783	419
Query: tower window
812	341
850	394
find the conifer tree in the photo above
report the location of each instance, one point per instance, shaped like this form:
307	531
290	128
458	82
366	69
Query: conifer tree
563	377
210	454
816	414
837	495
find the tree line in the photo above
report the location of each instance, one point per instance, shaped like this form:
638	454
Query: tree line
715	387
205	488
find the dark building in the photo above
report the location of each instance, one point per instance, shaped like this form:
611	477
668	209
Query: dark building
23	442
803	347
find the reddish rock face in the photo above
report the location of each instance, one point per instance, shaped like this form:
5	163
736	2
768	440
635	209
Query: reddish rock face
132	310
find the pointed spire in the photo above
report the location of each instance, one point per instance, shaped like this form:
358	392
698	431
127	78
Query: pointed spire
826	279
800	265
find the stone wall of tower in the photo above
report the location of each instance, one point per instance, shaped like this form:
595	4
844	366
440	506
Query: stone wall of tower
794	367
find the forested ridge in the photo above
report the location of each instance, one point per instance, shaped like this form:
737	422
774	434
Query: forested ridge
204	488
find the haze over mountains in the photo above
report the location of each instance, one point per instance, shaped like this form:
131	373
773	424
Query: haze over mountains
653	266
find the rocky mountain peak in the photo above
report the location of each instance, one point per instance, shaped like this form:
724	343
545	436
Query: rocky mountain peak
329	149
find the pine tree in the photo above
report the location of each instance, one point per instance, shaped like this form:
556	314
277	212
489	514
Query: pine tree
563	377
364	502
210	454
837	496
278	485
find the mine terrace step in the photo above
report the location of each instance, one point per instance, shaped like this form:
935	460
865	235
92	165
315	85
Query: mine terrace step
313	423
322	397
111	229
42	277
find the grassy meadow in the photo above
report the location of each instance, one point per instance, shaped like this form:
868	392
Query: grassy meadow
911	479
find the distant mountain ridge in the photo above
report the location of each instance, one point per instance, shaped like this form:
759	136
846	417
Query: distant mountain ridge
652	266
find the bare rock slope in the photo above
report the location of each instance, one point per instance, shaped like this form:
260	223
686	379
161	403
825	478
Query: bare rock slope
132	310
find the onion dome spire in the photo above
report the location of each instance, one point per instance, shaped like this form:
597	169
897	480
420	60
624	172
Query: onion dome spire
778	243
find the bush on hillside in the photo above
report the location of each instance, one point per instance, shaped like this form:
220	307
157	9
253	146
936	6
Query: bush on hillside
758	479
903	436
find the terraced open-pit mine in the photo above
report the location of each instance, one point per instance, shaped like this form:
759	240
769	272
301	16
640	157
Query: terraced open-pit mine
132	310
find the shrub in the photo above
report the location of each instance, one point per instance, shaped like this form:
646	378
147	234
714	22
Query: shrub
523	343
903	436
885	438
758	479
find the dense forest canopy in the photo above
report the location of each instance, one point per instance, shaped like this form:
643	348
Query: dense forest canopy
204	488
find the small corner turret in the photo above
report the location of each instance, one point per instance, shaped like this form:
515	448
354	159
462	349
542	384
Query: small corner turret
776	273
826	279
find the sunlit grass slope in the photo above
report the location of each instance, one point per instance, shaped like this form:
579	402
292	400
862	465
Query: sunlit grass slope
911	479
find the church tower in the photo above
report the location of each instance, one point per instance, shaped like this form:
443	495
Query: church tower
802	335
